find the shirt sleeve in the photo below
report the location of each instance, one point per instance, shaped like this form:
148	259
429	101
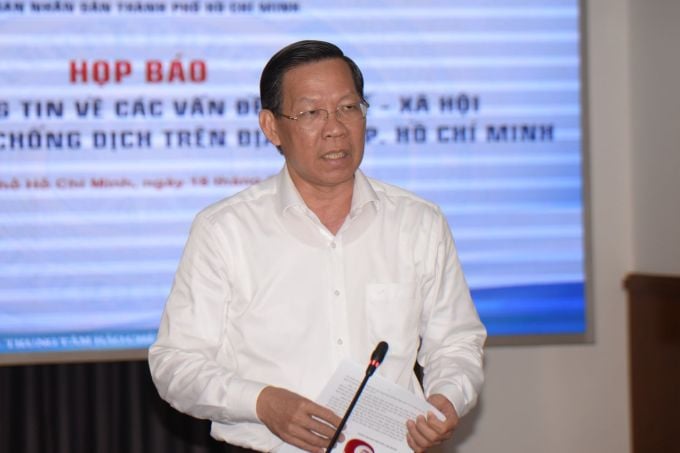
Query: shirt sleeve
184	358
452	336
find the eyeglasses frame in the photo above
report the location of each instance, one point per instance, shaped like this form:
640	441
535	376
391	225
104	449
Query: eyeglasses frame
363	106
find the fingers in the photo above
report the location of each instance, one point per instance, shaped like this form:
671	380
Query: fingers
422	435
309	430
295	419
304	439
325	415
426	432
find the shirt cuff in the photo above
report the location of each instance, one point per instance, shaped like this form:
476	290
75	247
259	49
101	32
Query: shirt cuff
242	396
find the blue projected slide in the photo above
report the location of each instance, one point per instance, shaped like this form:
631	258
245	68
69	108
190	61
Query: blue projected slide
119	121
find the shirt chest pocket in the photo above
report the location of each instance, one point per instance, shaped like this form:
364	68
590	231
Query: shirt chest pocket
393	315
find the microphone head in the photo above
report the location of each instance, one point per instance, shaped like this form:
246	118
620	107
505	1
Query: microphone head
379	353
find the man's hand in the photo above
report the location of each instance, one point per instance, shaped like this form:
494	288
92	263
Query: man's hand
296	420
426	432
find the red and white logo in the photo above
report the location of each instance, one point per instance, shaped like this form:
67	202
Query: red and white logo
358	446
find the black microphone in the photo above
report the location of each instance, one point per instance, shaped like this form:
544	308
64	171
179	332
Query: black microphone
376	359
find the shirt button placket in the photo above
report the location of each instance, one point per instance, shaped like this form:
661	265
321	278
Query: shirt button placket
339	302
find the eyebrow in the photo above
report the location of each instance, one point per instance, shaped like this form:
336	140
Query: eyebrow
344	98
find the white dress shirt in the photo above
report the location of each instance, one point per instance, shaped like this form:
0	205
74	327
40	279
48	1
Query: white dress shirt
266	295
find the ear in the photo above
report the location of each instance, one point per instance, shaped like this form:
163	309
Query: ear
268	125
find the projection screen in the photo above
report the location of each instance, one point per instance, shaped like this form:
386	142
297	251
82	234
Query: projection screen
120	120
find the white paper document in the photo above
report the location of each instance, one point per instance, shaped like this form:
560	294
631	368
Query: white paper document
378	421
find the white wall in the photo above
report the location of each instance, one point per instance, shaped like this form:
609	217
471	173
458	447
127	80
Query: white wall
655	83
574	398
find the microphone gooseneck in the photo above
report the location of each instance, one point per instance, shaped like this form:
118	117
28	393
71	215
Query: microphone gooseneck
376	359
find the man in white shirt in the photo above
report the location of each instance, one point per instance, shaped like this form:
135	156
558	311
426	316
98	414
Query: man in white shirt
281	282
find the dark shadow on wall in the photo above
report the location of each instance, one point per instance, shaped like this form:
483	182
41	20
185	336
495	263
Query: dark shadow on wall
93	408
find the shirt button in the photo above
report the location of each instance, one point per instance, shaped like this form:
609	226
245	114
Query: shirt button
336	292
339	341
333	245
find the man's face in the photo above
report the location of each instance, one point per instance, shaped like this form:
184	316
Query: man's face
325	156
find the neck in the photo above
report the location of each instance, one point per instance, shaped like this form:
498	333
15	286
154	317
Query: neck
331	204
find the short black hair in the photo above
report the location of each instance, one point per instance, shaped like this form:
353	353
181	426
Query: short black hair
297	54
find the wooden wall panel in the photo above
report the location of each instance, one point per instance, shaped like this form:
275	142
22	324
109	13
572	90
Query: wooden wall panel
654	317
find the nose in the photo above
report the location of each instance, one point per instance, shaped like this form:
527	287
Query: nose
334	127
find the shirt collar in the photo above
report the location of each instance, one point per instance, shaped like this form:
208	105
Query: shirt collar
287	194
362	195
289	197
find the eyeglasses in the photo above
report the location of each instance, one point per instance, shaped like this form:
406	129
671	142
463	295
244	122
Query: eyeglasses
345	113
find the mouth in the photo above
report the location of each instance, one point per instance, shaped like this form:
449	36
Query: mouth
335	155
